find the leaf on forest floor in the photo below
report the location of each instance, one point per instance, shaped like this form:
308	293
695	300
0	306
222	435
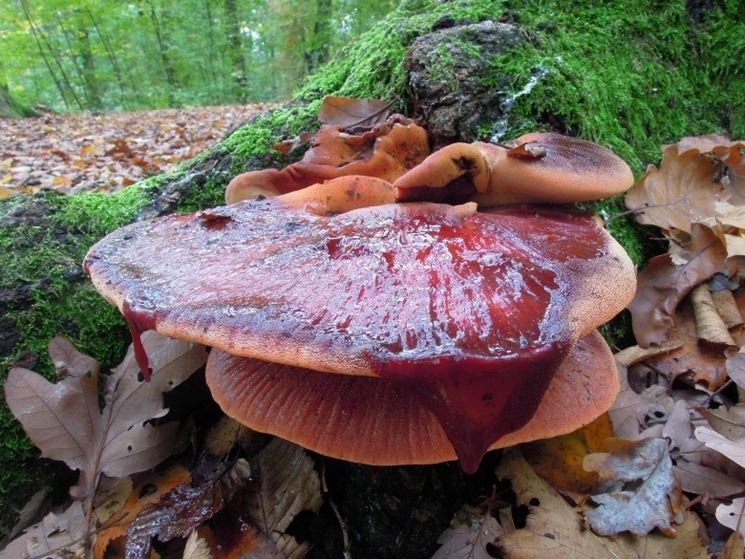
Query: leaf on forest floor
197	547
225	434
689	186
348	111
553	528
710	326
288	484
735	366
663	284
57	536
734	450
186	506
692	464
682	191
471	535
641	492
559	460
64	419
734	548
148	491
731	515
246	516
700	363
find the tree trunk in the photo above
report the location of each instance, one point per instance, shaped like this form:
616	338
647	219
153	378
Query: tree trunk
165	56
318	50
235	44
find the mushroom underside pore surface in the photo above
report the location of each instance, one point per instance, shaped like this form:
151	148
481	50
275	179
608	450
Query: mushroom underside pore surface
470	312
375	421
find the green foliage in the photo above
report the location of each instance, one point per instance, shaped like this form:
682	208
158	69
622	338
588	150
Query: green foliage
86	54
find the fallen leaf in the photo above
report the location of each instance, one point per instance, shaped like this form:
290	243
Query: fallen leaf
643	493
59	536
554	529
559	460
700	363
196	547
636	354
681	192
288	484
148	491
726	306
112	499
735	366
471	536
348	112
709	325
729	422
730	515
663	284
734	548
225	434
65	422
734	450
185	507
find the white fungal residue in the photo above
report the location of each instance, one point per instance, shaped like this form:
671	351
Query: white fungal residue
501	126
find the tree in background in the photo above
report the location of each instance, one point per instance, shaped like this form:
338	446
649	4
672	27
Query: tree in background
107	54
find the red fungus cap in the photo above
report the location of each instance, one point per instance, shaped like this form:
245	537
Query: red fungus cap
385	151
377	422
469	312
540	168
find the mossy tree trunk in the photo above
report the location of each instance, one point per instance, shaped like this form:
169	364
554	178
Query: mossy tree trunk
612	72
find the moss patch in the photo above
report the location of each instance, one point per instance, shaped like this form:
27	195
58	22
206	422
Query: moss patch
626	76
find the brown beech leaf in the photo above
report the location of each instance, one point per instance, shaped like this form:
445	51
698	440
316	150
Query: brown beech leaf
470	535
700	363
728	422
57	536
65	422
734	548
347	111
148	491
197	547
558	460
681	192
735	365
730	515
653	499
186	506
710	326
726	306
732	449
553	528
663	284
629	409
225	434
288	484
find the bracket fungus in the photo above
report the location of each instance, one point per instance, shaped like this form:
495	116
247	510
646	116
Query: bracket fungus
540	167
383	334
386	150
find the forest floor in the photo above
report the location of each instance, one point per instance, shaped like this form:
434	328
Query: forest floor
97	152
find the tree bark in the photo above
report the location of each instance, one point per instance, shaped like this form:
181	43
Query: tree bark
235	44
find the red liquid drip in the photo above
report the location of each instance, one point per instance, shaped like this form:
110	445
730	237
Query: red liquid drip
478	400
139	322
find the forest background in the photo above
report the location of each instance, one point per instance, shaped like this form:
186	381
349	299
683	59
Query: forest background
109	55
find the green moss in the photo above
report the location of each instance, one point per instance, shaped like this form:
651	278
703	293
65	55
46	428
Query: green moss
374	66
626	76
